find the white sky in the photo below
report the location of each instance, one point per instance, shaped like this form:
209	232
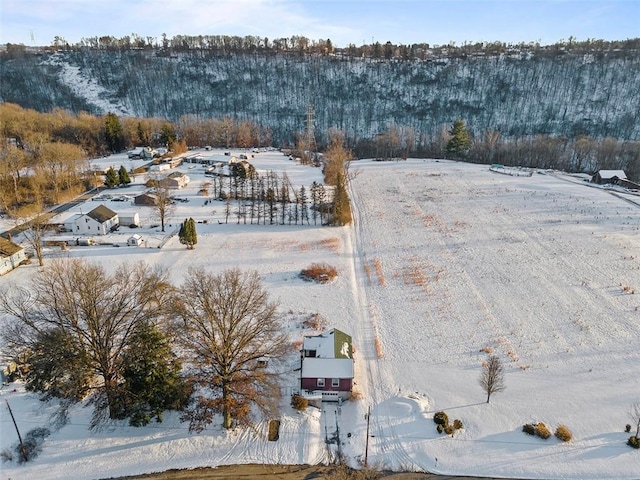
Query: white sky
37	22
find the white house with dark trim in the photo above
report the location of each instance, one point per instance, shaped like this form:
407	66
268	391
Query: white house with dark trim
99	221
11	255
327	366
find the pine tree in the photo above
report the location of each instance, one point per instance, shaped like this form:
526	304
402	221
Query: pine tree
188	235
460	142
152	380
123	176
113	133
111	178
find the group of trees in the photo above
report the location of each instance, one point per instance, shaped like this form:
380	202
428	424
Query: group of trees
299	44
133	345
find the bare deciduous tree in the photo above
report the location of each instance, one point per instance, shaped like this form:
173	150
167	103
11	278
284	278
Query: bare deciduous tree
95	313
492	377
634	415
228	326
34	229
163	207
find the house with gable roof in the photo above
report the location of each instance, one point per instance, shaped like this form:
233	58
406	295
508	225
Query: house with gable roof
11	255
608	176
99	221
327	366
175	180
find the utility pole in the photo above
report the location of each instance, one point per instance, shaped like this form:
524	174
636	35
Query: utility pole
23	451
366	444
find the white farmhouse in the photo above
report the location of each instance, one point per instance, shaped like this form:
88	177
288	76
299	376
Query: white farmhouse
99	221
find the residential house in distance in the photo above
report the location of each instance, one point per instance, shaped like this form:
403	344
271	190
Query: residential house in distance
327	366
11	255
148	199
175	180
99	221
608	176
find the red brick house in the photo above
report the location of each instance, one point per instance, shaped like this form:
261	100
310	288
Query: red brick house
327	366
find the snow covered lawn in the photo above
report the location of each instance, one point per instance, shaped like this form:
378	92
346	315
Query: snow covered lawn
445	261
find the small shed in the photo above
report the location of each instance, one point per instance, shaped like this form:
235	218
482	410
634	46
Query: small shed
602	177
134	240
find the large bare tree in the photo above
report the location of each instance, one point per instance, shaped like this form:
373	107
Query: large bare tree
492	377
94	313
229	328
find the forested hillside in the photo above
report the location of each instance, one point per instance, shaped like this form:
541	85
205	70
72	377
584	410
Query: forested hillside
518	92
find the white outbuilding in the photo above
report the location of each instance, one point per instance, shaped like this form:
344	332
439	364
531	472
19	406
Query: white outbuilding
134	240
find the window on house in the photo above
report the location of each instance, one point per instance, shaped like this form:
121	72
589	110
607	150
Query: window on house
335	382
320	382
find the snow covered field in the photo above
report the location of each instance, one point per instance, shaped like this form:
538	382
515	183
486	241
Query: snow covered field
444	260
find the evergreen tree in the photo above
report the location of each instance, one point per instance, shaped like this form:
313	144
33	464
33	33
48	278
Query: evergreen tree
123	176
111	178
460	142
152	380
143	136
113	133
188	235
168	135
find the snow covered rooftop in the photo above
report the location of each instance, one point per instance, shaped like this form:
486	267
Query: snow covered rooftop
327	368
331	344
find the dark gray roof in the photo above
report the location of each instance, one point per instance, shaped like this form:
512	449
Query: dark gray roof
101	214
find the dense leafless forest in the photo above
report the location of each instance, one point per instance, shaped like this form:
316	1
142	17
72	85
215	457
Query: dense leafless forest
569	89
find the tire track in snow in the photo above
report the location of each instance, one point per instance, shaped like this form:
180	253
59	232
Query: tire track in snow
387	441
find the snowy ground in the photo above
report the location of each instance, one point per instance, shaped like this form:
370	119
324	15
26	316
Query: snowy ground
444	260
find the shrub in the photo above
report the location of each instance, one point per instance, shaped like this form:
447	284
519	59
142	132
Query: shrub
457	424
319	272
529	429
441	418
299	403
355	395
542	430
315	321
440	428
448	429
563	433
633	441
627	428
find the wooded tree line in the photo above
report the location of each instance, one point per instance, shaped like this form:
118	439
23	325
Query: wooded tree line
44	158
133	345
581	154
299	44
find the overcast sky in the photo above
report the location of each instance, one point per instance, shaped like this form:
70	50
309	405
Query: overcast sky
37	22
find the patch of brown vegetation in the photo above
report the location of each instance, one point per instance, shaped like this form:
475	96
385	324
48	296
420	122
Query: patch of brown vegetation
319	272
